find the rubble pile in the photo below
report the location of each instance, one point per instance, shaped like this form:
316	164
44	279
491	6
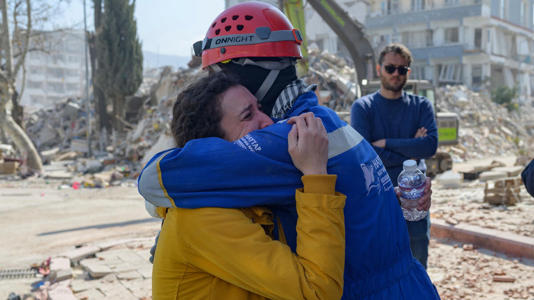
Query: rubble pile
59	133
335	80
486	128
60	126
464	272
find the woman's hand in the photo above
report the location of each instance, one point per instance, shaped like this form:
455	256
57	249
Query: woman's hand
308	144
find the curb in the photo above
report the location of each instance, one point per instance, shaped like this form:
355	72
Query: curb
510	244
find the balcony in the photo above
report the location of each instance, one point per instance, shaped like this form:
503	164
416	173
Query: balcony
450	12
438	52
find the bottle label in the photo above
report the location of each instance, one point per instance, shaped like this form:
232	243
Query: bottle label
412	193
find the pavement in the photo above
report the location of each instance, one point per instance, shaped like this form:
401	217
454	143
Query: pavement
99	240
41	219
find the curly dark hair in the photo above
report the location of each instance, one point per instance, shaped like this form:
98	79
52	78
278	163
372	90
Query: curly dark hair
197	110
399	49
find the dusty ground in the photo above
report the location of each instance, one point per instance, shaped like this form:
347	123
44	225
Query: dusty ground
40	219
460	272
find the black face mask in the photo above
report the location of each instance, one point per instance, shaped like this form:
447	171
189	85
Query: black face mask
252	77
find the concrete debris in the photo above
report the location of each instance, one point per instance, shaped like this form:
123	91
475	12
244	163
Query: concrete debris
486	128
503	191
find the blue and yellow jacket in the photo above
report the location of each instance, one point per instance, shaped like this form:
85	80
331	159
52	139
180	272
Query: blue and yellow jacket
257	170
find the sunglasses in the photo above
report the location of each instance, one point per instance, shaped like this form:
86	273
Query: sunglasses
390	69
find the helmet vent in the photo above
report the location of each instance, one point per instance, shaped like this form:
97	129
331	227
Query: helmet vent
227	28
235	17
213	25
240	27
223	20
248	17
217	31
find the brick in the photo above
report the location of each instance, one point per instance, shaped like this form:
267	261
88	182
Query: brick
503	242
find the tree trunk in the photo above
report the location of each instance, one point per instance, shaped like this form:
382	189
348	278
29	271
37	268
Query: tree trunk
118	113
22	141
17	111
103	119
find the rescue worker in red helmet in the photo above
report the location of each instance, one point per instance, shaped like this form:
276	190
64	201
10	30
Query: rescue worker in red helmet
256	42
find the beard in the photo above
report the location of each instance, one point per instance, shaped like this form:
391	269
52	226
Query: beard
393	87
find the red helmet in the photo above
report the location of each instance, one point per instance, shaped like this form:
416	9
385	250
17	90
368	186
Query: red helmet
250	29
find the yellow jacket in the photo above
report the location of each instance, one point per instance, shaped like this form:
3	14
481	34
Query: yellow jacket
221	253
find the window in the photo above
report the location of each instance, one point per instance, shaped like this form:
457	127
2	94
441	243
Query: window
418	5
418	72
389	7
72	86
429	38
476	75
55	72
56	87
502	9
450	73
34	84
451	35
478	38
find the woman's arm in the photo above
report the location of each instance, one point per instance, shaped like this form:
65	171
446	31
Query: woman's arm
226	244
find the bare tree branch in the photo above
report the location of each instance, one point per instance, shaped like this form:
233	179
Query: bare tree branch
26	42
23	84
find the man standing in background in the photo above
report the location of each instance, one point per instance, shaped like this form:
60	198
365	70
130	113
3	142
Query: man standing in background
400	126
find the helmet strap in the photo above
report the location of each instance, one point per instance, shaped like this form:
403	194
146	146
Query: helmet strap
266	85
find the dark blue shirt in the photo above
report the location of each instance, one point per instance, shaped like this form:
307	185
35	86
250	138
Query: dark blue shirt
528	178
397	121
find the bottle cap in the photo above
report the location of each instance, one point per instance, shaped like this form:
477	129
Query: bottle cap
409	164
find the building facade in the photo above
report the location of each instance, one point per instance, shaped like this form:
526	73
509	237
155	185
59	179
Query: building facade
479	43
55	68
482	44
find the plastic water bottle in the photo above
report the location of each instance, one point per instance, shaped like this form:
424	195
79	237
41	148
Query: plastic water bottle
422	166
412	184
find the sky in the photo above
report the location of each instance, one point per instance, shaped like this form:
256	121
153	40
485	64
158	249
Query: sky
164	26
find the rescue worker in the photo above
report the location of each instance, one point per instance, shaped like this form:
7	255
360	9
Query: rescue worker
256	42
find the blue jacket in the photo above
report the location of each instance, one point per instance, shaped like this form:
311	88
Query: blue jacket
528	178
257	170
397	121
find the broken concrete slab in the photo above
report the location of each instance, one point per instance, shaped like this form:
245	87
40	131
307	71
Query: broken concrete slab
78	254
492	175
60	293
59	263
130	275
509	171
80	285
95	267
89	294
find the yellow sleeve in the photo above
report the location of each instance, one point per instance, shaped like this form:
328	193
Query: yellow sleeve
226	244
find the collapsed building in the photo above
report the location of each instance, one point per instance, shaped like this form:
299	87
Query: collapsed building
60	132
